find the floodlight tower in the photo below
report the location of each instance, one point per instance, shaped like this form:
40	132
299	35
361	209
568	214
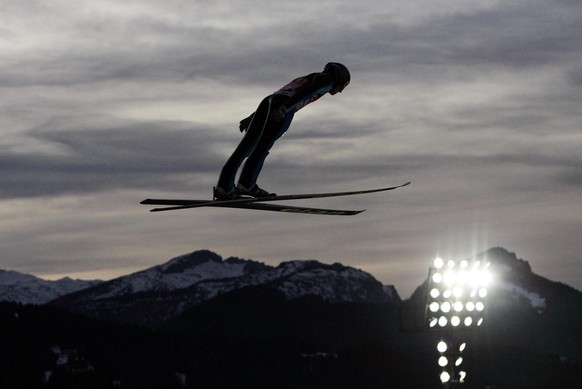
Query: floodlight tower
455	303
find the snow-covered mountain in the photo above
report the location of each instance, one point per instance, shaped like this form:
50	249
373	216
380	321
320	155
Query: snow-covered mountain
515	281
28	289
517	299
242	318
521	306
549	312
178	273
515	284
164	291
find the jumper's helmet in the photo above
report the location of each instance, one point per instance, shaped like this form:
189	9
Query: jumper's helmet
339	73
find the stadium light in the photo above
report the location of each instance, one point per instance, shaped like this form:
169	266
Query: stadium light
445	377
457	293
456	301
450	359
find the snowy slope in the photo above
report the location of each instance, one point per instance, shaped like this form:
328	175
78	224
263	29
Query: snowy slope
515	281
179	273
333	283
28	289
207	275
295	279
164	291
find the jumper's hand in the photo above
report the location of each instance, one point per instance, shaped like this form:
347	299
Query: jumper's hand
244	124
278	114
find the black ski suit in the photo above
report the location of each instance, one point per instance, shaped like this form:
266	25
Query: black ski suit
267	124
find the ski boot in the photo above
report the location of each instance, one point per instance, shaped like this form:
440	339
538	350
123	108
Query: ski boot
221	195
255	191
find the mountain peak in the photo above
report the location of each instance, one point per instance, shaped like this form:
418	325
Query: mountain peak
505	261
190	260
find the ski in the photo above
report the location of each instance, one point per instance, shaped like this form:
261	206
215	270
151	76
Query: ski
271	207
182	204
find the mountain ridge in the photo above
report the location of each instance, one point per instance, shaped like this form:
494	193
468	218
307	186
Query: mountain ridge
28	289
152	296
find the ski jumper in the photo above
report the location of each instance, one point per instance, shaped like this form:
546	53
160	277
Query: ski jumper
267	124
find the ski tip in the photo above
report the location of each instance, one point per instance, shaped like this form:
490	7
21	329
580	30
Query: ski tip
164	209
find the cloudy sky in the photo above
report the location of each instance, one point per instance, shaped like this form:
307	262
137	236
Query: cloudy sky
105	103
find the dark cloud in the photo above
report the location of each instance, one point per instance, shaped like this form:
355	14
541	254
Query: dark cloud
518	35
94	159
